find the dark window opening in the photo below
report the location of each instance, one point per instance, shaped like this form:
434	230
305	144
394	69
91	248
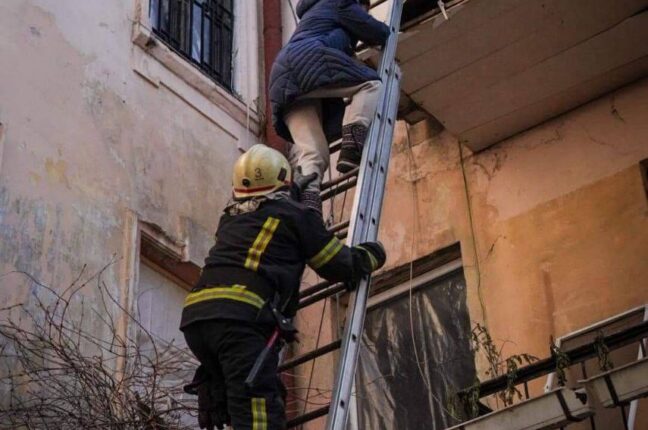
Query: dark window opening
201	31
400	388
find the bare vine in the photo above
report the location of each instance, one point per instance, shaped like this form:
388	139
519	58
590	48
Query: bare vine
65	362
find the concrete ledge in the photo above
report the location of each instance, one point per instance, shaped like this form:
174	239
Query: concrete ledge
235	108
552	410
619	386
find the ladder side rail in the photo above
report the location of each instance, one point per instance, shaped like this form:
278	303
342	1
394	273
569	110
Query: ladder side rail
377	202
366	215
355	318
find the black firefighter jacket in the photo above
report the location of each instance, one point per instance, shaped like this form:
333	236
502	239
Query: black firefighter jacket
259	257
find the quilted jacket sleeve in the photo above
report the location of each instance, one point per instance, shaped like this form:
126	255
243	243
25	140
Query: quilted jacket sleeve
353	18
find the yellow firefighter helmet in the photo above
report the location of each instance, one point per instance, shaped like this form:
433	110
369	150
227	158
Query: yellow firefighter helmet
261	170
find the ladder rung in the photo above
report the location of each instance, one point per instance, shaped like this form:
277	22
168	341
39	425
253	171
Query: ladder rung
343	234
350	174
339	226
309	416
337	288
311	355
339	189
314	289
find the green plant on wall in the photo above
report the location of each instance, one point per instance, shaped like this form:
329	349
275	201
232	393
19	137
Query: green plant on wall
497	365
562	362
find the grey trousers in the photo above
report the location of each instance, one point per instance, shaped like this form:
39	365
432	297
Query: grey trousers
304	120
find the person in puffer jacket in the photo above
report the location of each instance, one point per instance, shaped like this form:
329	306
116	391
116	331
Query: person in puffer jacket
310	78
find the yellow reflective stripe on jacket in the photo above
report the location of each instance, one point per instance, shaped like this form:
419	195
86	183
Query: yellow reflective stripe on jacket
259	414
236	292
261	243
324	256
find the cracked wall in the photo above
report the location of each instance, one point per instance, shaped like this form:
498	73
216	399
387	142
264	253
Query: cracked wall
88	141
559	231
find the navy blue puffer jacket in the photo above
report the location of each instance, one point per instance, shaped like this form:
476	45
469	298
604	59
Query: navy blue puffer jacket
320	54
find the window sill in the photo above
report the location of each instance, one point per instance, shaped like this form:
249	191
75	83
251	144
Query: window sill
234	107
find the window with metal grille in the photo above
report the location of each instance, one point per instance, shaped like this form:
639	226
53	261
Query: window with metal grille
199	30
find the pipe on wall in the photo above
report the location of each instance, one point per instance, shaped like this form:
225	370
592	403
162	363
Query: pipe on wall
272	42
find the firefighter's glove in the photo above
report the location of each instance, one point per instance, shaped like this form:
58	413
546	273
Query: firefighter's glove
367	257
300	183
212	400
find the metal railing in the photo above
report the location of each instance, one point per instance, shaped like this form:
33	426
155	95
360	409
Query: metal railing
576	357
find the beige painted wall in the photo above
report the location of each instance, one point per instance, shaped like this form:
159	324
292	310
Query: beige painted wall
559	217
559	232
99	134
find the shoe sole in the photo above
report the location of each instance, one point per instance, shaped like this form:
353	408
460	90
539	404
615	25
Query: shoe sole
345	166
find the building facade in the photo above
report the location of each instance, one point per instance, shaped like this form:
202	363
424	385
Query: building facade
529	174
120	122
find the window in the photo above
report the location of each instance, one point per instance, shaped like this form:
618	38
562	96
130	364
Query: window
164	278
201	31
159	304
418	358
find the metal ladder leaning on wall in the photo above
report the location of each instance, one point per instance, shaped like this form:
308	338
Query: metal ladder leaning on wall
369	179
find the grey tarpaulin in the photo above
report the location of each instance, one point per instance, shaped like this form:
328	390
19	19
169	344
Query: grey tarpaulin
392	393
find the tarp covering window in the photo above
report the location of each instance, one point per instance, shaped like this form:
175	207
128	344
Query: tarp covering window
394	392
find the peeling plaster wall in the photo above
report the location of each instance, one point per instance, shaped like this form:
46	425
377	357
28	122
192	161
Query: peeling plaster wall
87	140
559	232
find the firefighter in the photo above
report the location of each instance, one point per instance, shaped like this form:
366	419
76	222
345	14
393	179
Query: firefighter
313	75
263	242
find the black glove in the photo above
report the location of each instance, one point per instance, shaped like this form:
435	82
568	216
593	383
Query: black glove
367	257
300	183
212	400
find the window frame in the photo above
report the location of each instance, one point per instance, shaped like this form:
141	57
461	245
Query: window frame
179	35
240	107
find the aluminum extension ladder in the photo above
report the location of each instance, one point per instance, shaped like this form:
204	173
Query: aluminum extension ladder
369	179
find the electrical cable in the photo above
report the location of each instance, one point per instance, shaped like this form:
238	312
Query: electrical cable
312	371
472	233
426	382
294	14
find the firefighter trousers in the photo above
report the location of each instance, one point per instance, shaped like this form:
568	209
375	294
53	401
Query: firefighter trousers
228	350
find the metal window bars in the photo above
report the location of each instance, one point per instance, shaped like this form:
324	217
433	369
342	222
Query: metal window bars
201	31
369	180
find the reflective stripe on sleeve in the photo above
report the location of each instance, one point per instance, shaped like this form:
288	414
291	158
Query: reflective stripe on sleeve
326	254
372	259
261	243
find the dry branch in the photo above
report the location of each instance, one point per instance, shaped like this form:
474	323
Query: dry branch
58	359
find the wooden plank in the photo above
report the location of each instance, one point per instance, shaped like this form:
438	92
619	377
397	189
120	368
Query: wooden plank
519	120
488	88
464	18
476	43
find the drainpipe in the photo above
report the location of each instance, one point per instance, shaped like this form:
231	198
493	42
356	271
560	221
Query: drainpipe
272	41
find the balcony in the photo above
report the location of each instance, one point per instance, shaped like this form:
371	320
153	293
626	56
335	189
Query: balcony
498	67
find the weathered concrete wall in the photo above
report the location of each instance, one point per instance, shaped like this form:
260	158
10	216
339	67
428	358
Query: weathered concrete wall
553	223
97	129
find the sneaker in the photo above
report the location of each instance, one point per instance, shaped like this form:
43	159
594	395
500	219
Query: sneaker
353	138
